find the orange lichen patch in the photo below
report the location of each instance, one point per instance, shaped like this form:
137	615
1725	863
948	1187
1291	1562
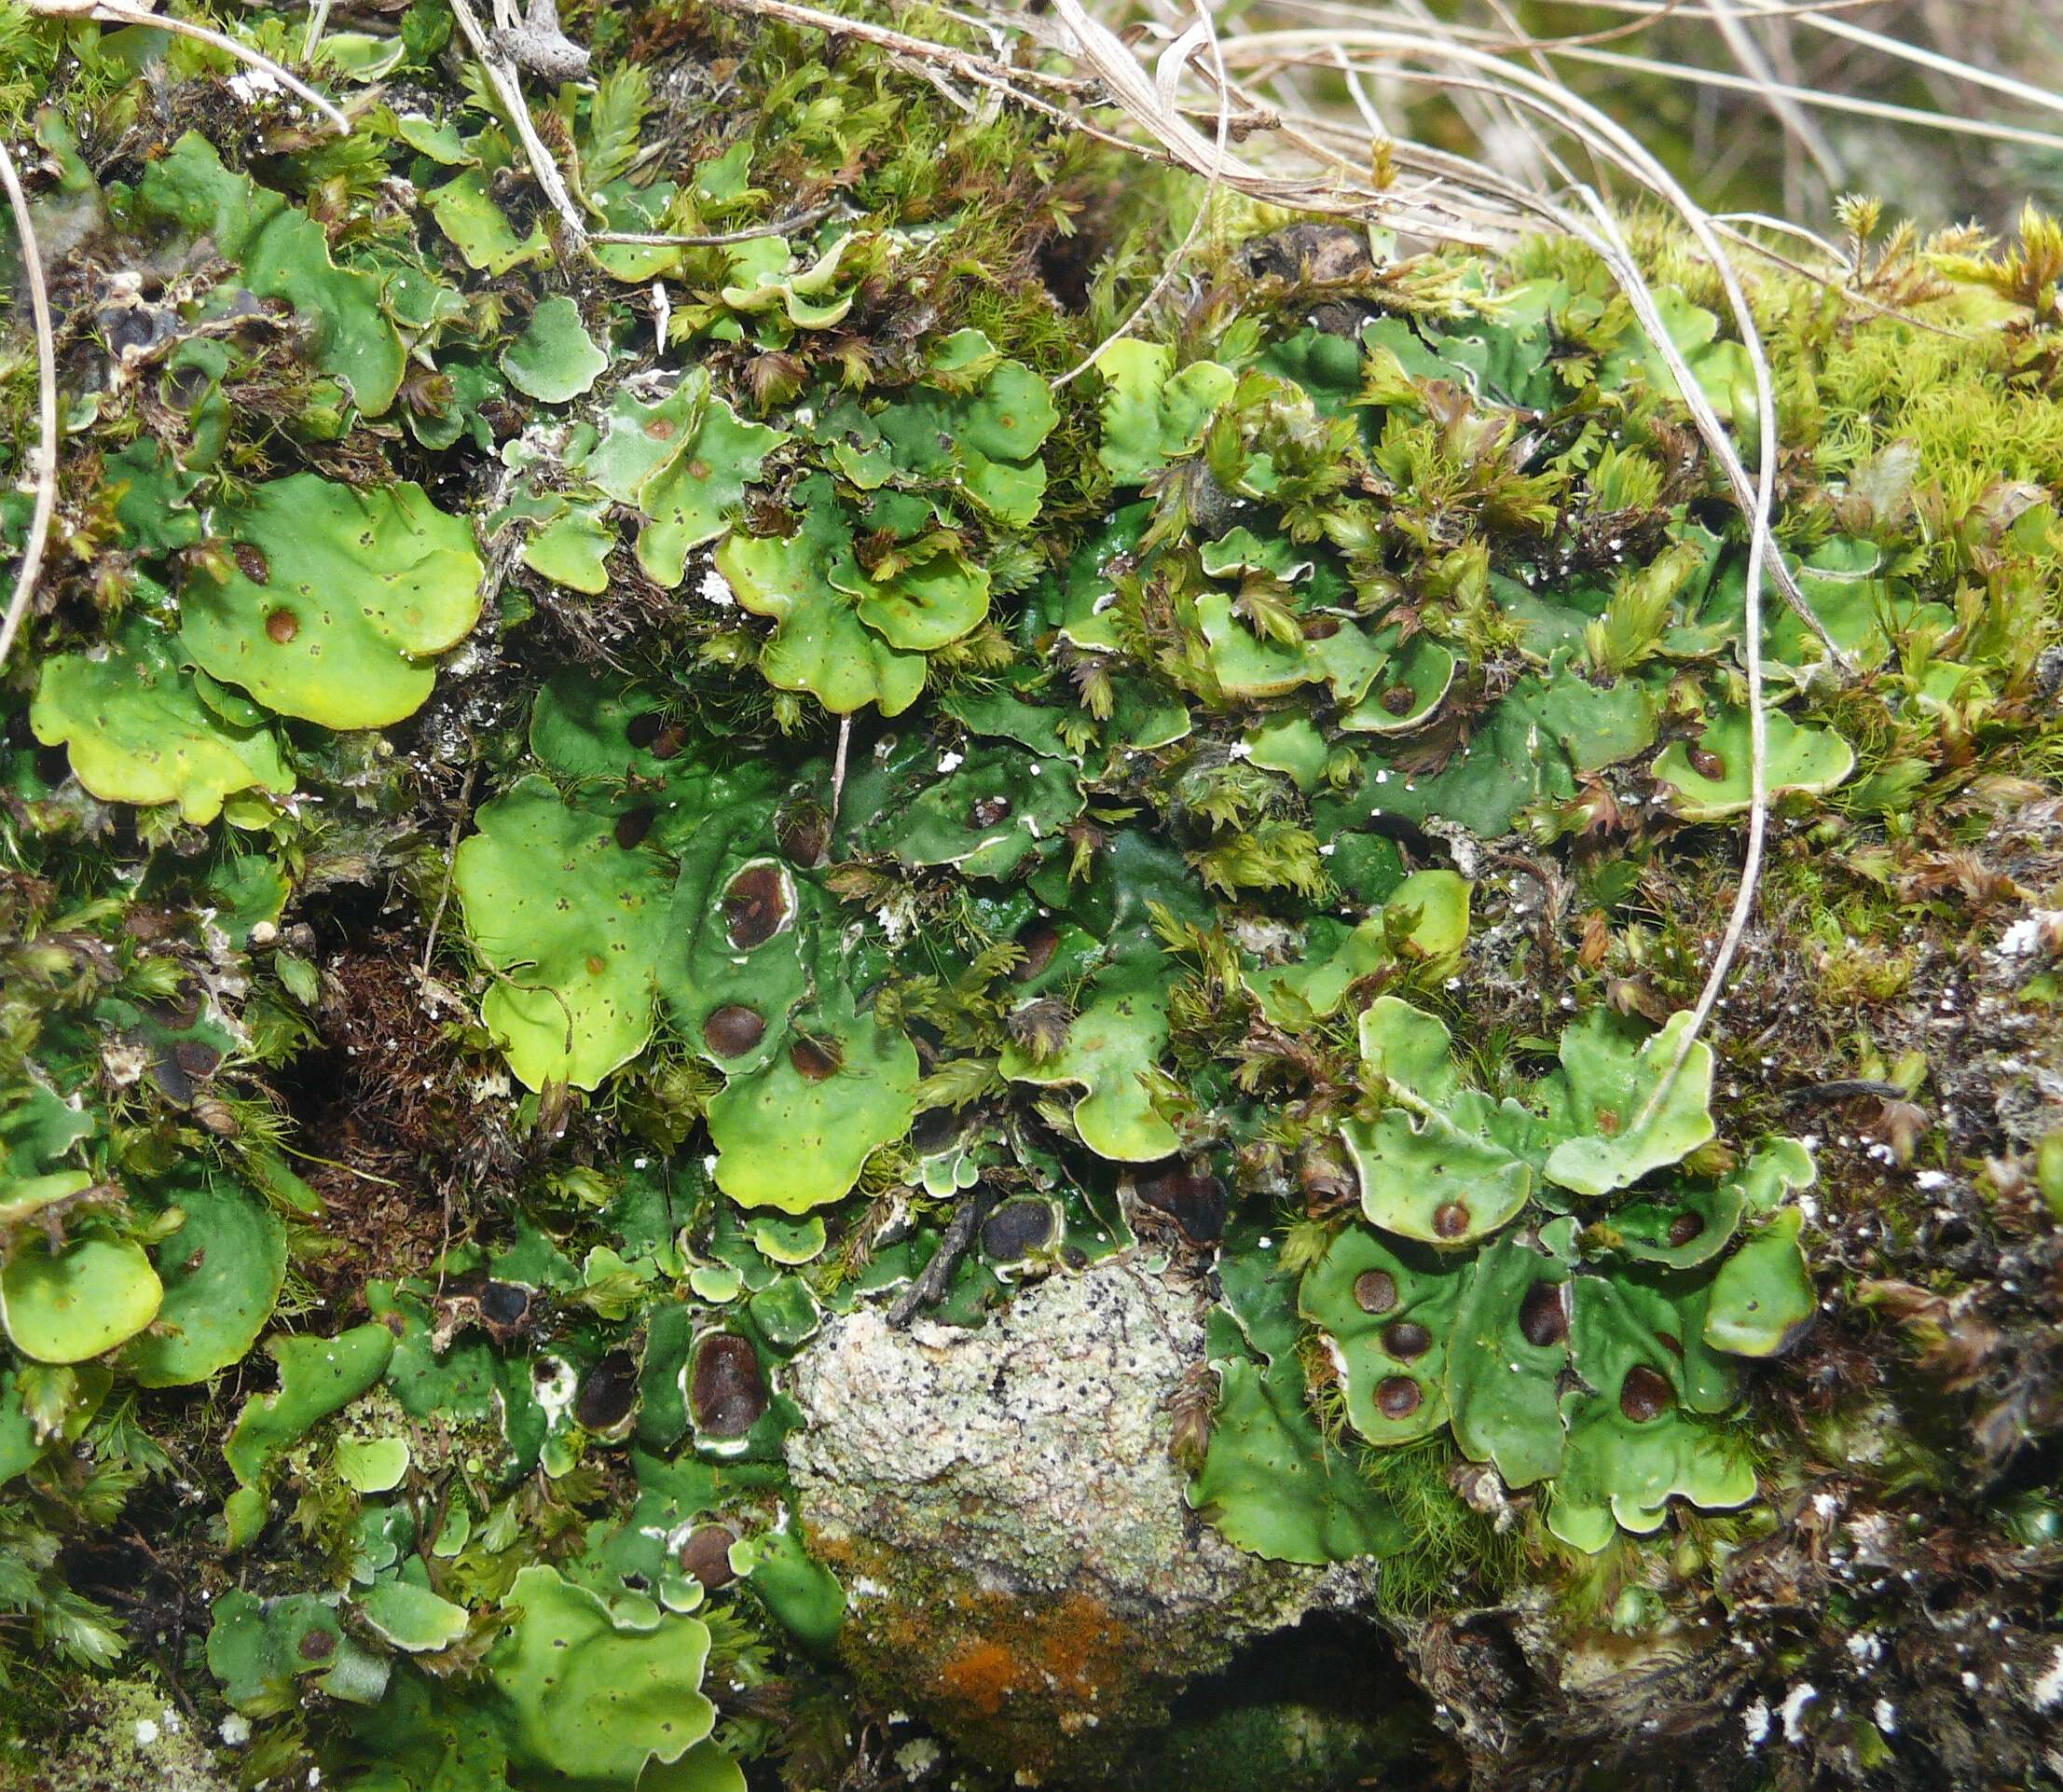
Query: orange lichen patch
1025	1679
999	1648
1063	1654
1049	1685
980	1677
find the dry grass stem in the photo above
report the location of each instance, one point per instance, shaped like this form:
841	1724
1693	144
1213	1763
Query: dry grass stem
1203	33
499	69
120	12
43	467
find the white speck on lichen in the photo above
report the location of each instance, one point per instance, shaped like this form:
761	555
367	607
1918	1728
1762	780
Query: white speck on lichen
2031	933
1755	1721
2047	1691
556	1389
1793	1709
917	1756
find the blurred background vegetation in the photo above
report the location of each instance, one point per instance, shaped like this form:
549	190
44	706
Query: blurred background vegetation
1756	105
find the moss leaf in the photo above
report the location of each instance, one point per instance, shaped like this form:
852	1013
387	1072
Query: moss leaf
1714	783
695	494
1151	414
1389	1312
793	1135
589	1698
1609	1082
1763	1294
1112	1052
1272	1485
222	1269
818	644
1505	1358
279	251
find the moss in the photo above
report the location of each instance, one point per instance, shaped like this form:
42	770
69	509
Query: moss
1326	1712
128	1732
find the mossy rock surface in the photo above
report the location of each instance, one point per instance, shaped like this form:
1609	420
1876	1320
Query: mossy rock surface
1002	1504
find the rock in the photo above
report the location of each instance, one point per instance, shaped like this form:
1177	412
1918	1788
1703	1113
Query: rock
1023	1569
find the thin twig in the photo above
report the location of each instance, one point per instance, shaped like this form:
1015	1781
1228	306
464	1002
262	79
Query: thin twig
1787	111
1845	1089
450	867
838	767
1760	541
535	41
1824	97
1202	31
1954	66
985	69
665	240
44	466
121	12
508	88
936	1276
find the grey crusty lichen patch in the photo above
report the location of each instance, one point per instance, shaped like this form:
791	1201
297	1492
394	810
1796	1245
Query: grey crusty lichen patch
1022	1565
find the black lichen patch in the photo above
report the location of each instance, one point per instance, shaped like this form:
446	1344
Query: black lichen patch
1375	1290
756	906
1038	939
1406	1341
1544	1314
1015	1230
608	1393
1645	1393
707	1556
1397	1396
816	1060
727	1389
733	1030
